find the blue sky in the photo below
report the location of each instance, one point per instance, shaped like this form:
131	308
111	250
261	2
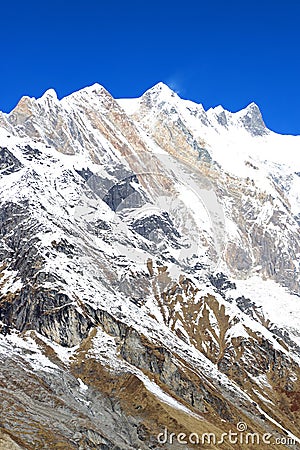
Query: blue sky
214	52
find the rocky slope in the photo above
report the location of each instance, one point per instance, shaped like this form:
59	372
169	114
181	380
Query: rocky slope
149	275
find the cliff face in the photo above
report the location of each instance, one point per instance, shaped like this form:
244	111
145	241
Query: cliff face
149	274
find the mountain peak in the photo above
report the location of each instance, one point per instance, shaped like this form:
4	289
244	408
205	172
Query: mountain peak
91	92
50	94
160	86
252	107
252	120
95	88
160	89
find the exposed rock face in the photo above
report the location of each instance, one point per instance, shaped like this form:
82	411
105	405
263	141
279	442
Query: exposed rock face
149	275
156	227
8	162
253	121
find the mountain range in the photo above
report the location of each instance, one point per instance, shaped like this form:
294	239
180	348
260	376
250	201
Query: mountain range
149	275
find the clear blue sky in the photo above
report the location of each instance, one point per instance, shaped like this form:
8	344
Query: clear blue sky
225	52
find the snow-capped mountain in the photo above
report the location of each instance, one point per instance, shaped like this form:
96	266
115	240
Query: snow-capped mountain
149	274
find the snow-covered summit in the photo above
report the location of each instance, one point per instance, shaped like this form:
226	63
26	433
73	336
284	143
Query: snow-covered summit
161	96
50	93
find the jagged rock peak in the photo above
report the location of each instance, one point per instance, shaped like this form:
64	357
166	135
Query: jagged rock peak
249	118
252	120
252	109
94	89
161	91
51	95
26	103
